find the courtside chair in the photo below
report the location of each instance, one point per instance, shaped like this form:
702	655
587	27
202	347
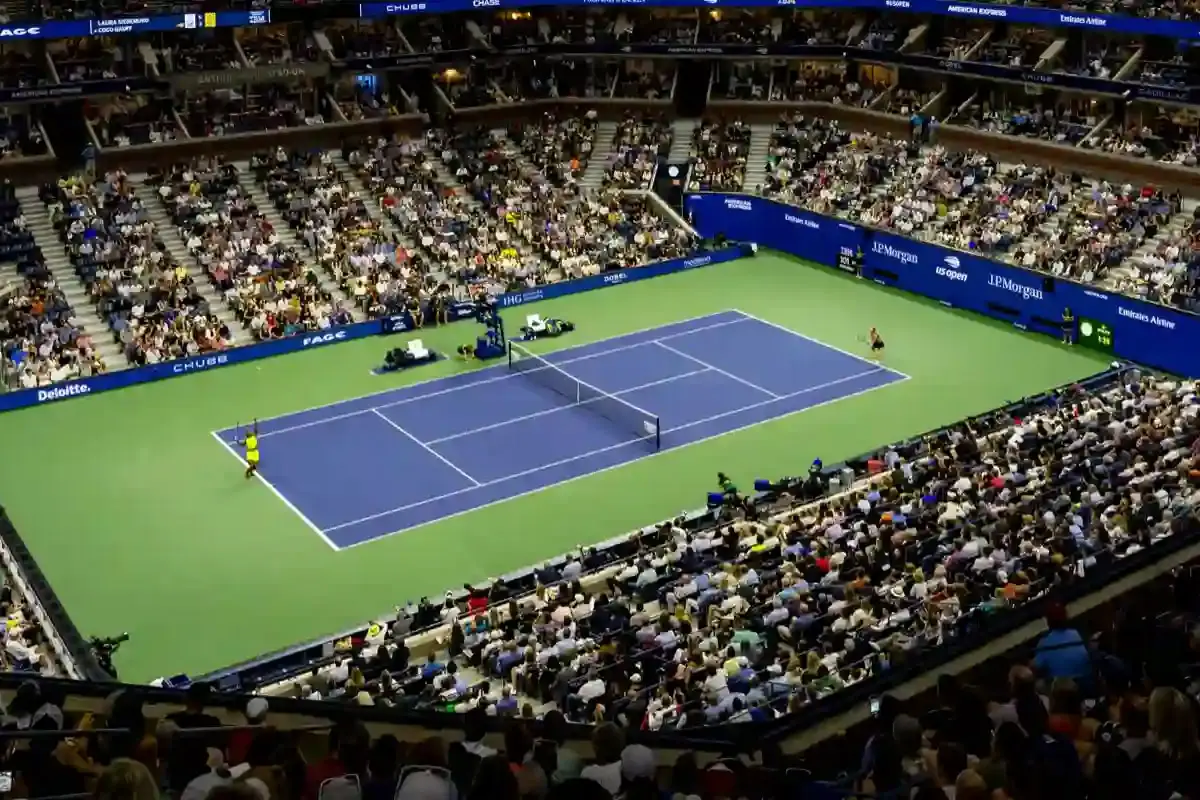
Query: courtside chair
417	349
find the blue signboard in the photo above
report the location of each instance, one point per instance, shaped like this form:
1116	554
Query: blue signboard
1013	14
1021	15
307	341
1143	332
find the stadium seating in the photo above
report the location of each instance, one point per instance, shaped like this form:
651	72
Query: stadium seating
767	609
771	609
41	340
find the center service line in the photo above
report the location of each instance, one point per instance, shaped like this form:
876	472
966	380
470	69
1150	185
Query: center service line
718	370
603	450
427	448
549	411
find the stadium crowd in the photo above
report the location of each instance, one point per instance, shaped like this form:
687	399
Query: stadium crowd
148	300
263	280
41	342
637	146
573	235
761	610
718	155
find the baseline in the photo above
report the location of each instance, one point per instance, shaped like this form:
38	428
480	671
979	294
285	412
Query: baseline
843	351
282	497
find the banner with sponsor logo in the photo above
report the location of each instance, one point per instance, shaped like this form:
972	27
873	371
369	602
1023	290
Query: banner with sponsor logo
184	366
654	270
742	218
399	323
250	76
1142	332
1015	14
1012	14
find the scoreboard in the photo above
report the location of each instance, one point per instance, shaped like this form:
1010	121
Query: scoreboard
850	260
1096	335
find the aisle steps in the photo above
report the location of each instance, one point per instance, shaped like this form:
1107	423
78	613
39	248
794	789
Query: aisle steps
756	160
602	155
682	131
59	265
287	234
172	237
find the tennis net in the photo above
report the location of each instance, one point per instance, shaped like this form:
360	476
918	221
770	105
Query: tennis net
642	424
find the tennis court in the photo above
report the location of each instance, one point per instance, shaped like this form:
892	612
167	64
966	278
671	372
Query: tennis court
362	469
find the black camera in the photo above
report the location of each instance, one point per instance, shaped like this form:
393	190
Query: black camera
103	647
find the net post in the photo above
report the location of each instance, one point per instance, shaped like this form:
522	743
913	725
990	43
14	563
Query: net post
508	346
657	433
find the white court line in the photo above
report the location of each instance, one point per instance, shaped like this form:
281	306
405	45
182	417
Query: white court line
602	450
428	449
718	370
560	409
855	356
416	384
473	384
229	448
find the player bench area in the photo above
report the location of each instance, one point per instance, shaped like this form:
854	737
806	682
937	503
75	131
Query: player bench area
365	468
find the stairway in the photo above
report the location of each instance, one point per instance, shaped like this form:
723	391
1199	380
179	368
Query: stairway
173	239
288	236
514	151
59	265
602	154
756	159
391	226
529	256
682	131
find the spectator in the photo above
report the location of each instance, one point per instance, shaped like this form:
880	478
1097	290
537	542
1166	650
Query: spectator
349	751
383	769
189	752
1061	652
567	762
1172	764
495	779
474	729
607	742
125	779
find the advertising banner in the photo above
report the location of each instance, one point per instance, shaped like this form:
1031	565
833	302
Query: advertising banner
250	76
399	323
1142	332
184	366
550	291
1013	14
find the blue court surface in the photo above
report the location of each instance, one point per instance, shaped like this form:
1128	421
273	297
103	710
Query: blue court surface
385	463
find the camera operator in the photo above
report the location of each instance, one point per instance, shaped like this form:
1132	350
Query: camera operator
815	484
104	648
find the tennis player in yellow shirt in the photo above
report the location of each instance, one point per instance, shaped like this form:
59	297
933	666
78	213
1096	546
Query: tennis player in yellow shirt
251	445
